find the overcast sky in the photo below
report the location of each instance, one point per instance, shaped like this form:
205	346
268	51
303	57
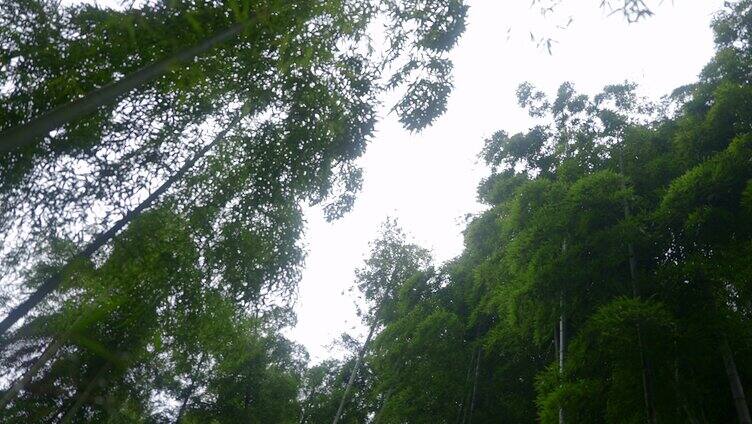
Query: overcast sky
428	180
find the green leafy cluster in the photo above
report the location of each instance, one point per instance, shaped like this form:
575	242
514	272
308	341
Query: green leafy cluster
179	316
622	223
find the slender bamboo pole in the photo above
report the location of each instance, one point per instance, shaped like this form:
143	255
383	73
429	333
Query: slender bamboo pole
462	410
53	282
475	387
25	134
737	390
562	333
377	418
647	368
48	353
82	397
354	372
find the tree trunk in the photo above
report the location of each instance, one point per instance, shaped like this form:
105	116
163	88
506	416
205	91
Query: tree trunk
682	407
465	392
647	380
737	390
25	134
354	372
189	391
475	387
560	339
377	418
304	406
647	369
562	346
184	404
467	400
48	353
85	395
53	282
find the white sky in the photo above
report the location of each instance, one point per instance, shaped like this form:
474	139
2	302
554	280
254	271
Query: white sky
428	180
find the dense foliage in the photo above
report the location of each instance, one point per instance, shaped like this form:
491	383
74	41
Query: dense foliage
150	245
608	280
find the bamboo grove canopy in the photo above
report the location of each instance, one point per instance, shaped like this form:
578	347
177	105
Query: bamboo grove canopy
291	87
607	281
153	162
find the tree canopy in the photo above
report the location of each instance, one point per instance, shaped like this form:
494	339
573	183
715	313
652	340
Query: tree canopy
607	280
155	159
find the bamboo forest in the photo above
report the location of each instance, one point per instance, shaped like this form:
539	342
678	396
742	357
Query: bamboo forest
160	159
